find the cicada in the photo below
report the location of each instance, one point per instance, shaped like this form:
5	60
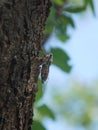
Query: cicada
47	60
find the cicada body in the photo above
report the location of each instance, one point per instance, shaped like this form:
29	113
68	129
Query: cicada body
45	67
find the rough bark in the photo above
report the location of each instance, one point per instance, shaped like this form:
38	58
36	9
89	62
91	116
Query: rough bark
21	36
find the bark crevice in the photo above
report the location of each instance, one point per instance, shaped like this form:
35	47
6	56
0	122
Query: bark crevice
21	35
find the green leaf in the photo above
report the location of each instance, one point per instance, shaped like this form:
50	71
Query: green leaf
63	37
50	22
39	94
45	111
60	59
86	120
69	21
48	29
75	9
37	126
58	2
63	22
61	27
92	6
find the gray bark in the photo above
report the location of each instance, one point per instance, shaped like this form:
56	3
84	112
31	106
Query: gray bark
21	35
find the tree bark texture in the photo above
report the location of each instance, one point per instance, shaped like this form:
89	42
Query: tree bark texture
21	35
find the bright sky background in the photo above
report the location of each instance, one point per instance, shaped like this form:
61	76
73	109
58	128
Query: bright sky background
83	51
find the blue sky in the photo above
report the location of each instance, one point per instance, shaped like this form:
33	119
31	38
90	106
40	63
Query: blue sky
82	49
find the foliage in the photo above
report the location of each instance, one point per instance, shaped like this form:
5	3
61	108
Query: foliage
59	20
61	59
38	126
41	111
78	105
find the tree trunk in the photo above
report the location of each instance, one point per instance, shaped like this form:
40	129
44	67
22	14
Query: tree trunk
21	35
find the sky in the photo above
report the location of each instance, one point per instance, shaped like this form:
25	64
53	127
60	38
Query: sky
83	51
